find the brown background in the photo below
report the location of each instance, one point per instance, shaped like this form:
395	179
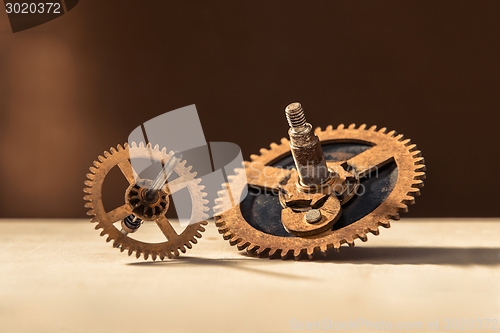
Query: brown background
73	87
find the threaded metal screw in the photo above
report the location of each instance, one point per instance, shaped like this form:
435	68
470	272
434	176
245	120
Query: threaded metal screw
295	115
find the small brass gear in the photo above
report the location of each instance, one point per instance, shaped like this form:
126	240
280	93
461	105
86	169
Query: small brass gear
141	204
255	223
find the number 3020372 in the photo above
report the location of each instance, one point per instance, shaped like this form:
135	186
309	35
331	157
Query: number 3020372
33	8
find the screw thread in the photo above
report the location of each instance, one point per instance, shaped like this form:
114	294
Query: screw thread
295	115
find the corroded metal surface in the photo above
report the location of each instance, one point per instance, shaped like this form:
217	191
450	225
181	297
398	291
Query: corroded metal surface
175	242
386	147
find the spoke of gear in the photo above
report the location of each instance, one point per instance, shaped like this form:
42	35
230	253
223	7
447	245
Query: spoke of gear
388	146
146	205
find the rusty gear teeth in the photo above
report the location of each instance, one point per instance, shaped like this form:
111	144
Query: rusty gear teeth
411	174
177	242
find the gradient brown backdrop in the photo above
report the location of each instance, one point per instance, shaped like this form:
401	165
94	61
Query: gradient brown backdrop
73	87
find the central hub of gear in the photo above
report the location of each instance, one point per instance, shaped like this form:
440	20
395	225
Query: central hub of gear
146	203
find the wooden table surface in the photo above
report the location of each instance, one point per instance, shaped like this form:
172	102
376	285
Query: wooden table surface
60	276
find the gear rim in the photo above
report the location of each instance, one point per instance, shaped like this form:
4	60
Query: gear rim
119	157
411	173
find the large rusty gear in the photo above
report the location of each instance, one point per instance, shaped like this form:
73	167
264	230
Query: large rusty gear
148	210
254	223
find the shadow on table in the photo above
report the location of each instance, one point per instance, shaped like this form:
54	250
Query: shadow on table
414	256
234	263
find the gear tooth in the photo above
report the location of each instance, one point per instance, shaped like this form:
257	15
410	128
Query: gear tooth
402	208
261	251
408	200
413	192
87	190
193	240
197	235
252	248
126	145
416	153
317	130
375	231
97	164
153	256
182	249
133	144
162	256
263	151
156	147
373	128
91	213
87	197
141	144
329	128
419	160
362	236
164	150
116	244
119	147
273	145
89	205
108	239
130	252
323	248
284	253
417	184
148	145
419	176
242	245
394	217
122	249
112	150
188	245
176	253
285	141
399	137
392	133
146	255
384	223
272	252
420	167
352	126
93	170
406	142
340	127
106	154
350	243
227	235
383	130
101	158
412	147
94	220
362	127
89	184
234	240
137	254
90	176
253	157
297	253
310	252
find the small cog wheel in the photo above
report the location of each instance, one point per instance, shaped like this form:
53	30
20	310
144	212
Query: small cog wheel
294	208
145	202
